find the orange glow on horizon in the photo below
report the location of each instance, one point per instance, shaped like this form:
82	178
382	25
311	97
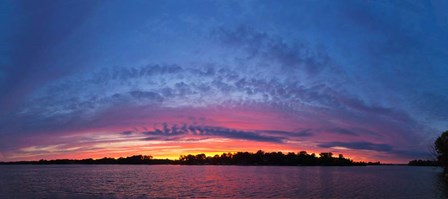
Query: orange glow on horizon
109	142
174	153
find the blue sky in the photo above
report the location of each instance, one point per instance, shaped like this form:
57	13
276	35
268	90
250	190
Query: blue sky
356	75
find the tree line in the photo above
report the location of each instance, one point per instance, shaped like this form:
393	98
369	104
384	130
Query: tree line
135	159
272	158
423	163
238	158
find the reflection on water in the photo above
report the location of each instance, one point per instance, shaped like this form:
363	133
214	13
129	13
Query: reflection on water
168	181
441	184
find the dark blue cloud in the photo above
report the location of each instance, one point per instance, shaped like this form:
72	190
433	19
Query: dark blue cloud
175	132
303	133
344	131
389	149
260	45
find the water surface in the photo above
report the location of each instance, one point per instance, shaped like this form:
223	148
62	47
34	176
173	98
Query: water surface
172	181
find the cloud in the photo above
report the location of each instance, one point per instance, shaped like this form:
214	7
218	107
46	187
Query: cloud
28	61
435	106
146	95
303	133
127	133
261	45
236	134
81	99
343	131
414	154
358	146
176	132
411	154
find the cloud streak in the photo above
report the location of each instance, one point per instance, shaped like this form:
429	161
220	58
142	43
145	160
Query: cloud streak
359	146
176	132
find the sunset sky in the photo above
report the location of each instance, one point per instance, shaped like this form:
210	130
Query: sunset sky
81	79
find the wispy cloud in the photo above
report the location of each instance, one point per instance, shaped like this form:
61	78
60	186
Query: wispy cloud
176	132
261	45
358	146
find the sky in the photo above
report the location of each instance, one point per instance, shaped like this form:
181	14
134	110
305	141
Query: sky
81	79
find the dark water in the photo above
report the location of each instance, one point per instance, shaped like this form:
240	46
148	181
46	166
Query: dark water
169	181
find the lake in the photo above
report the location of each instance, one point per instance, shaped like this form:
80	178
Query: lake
174	181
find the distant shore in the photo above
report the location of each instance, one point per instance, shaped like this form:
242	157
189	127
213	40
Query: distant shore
260	158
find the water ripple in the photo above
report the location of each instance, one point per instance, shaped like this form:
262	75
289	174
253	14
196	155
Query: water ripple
174	181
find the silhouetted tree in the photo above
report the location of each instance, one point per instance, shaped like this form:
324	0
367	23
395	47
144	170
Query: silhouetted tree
441	147
326	158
